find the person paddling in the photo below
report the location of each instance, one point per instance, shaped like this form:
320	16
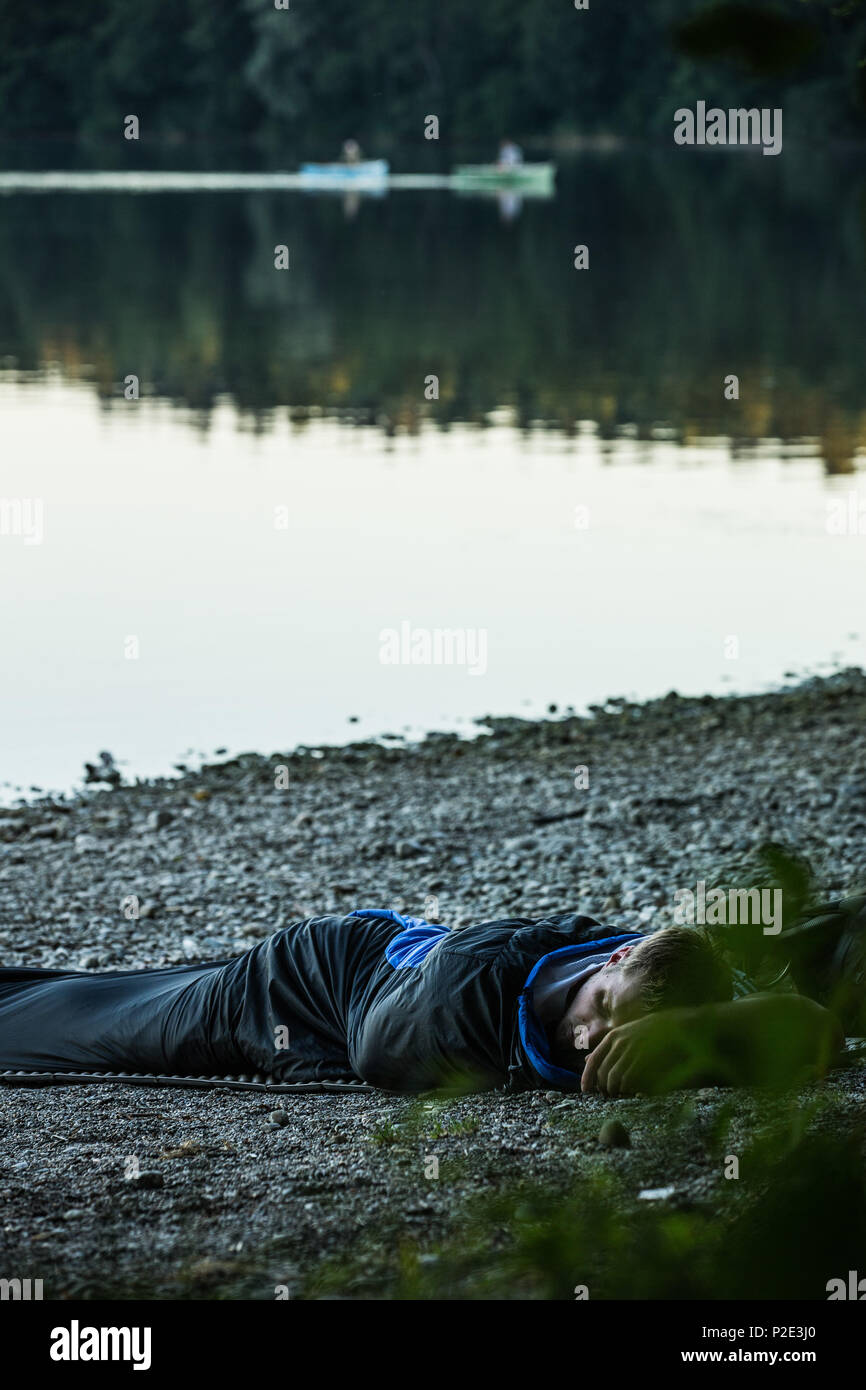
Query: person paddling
510	154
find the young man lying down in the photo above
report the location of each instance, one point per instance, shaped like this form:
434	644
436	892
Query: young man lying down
408	1006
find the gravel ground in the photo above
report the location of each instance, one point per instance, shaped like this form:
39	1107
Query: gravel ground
230	1202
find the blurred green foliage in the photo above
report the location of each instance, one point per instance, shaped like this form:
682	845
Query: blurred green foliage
794	1218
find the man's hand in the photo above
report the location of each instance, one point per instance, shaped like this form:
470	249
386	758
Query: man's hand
654	1053
765	1039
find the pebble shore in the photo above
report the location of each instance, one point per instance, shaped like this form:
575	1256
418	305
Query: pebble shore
608	814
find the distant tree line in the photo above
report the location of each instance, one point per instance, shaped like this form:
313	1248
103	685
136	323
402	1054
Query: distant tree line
306	76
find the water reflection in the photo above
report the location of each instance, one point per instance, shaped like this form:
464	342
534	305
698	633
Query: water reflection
227	587
699	268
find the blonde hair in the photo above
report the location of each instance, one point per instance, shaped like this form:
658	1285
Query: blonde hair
679	967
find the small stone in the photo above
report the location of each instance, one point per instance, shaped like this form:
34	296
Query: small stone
407	849
49	830
158	820
89	961
10	828
853	789
656	1194
84	843
278	1118
146	1179
190	947
614	1135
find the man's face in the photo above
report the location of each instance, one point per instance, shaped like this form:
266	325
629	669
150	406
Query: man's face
603	1001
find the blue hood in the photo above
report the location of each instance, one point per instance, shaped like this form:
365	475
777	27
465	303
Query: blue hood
532	1034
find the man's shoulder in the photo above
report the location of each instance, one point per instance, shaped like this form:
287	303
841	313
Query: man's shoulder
529	936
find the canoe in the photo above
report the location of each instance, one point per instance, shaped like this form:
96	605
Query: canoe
535	178
368	171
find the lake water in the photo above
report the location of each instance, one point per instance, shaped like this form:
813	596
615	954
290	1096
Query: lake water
219	564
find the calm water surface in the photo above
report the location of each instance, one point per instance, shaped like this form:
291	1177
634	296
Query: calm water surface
219	560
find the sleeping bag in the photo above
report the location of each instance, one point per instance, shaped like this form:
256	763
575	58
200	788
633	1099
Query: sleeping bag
396	1002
